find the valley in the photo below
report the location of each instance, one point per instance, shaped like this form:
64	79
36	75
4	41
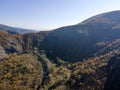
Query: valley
85	56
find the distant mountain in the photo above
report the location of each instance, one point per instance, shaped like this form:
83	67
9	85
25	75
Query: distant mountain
14	30
81	41
77	42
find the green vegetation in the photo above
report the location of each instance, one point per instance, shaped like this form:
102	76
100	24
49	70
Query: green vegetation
85	56
19	72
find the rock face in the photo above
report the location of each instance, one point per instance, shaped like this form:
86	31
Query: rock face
2	53
13	46
10	44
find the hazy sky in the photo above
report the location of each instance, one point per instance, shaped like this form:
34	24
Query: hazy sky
49	14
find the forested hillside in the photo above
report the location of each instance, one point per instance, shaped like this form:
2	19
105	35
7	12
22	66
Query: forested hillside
85	56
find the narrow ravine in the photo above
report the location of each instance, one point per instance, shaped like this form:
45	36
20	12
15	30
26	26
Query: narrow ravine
46	64
45	74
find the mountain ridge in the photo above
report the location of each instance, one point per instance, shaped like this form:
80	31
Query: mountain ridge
15	30
83	36
79	57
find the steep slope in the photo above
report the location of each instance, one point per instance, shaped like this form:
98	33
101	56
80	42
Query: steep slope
27	60
19	43
10	44
81	41
98	72
113	73
33	40
22	67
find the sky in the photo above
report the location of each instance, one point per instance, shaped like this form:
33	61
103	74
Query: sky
51	14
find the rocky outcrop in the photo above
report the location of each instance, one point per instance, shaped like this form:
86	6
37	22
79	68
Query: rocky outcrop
13	46
2	53
10	44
